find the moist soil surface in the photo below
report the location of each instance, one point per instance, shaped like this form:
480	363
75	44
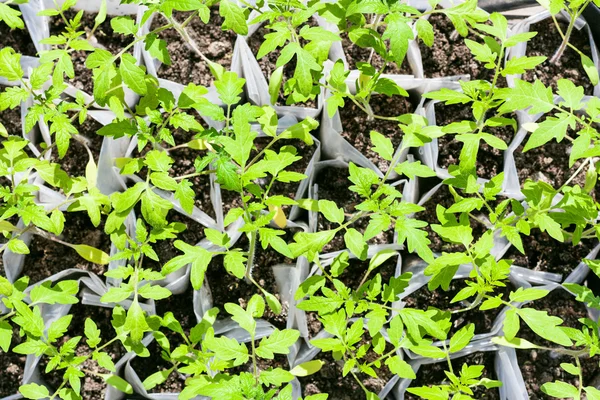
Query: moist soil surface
268	64
450	56
541	366
47	257
106	38
546	43
355	54
227	288
12	366
92	387
351	277
186	65
330	380
548	163
182	307
433	374
444	198
440	299
11	118
75	161
18	39
357	127
490	161
543	253
333	185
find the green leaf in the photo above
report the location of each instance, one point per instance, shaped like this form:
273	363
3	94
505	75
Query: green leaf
91	254
5	336
11	17
135	323
124	25
307	368
331	211
551	128
64	292
34	391
535	96
413	169
279	342
545	325
275	84
530	294
154	292
195	255
571	94
590	69
560	389
157	48
462	338
382	146
408	230
425	31
234	17
92	333
228	349
230	86
516	343
356	243
234	263
305	63
592	393
449	96
133	76
400	367
119	383
399	33
520	65
242	317
10	64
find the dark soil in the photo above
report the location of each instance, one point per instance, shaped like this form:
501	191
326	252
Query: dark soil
186	65
92	386
546	43
75	161
182	307
333	185
166	250
548	163
12	367
450	56
429	215
440	299
47	258
11	119
433	374
355	54
543	253
330	380
227	288
18	39
490	161
107	40
146	366
351	277
357	128
268	64
541	366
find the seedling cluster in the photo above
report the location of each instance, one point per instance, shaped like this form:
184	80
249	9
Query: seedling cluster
307	213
